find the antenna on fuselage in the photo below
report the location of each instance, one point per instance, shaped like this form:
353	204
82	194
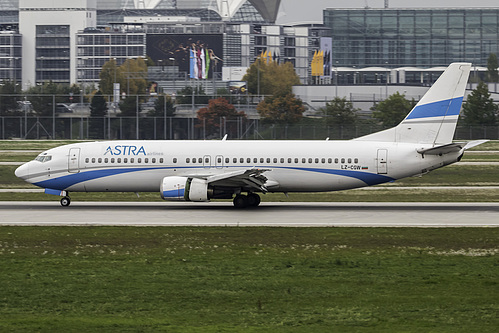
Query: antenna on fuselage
225	137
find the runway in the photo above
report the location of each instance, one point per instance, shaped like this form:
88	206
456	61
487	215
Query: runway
295	214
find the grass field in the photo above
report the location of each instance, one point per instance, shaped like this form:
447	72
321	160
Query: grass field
76	279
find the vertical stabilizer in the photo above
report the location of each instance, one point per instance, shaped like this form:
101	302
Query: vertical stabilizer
433	120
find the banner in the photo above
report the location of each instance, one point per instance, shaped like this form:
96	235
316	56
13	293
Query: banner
197	55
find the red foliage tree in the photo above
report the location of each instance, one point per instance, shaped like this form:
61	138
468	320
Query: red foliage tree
219	116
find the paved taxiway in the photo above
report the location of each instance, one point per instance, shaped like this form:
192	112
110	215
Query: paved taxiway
295	214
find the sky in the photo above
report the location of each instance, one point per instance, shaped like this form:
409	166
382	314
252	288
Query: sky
293	11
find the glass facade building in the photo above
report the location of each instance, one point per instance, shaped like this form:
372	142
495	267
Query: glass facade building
412	37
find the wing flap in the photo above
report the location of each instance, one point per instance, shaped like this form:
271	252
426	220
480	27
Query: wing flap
253	178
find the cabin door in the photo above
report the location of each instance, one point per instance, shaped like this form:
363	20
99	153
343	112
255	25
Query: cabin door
382	161
74	160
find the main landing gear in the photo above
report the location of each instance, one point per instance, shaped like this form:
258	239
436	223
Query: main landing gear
243	201
66	201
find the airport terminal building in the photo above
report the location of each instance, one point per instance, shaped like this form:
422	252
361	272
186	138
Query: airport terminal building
70	41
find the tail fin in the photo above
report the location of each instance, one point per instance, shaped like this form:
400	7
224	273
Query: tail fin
433	120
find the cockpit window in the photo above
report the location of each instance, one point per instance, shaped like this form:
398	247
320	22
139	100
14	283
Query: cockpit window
43	158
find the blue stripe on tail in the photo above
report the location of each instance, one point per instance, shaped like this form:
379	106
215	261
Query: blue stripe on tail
448	107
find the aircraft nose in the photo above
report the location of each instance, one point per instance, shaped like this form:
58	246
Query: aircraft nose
22	171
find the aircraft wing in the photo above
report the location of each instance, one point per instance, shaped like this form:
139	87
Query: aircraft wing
252	178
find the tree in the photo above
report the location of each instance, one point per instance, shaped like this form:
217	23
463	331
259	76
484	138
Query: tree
340	112
129	109
392	110
42	97
98	110
281	109
271	78
161	104
219	113
8	98
492	65
479	109
131	75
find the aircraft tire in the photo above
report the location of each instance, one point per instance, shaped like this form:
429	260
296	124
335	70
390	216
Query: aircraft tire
65	202
240	201
253	200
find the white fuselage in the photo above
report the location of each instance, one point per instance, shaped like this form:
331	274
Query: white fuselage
293	166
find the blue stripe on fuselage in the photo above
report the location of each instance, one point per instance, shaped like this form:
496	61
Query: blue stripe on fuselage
64	182
367	177
448	107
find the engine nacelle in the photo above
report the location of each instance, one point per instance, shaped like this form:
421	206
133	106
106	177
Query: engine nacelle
184	189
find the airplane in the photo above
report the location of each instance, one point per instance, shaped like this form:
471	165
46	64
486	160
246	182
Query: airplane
202	170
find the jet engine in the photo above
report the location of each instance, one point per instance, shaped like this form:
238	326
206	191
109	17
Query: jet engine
184	189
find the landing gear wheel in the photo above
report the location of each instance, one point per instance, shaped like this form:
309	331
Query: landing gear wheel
240	201
66	201
253	200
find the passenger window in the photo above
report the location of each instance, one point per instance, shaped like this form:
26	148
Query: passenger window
282	160
356	160
106	160
349	160
248	160
187	160
161	160
310	160
342	160
227	160
234	160
206	160
194	160
275	160
323	160
200	160
304	160
119	160
146	160
99	160
174	160
316	160
262	160
87	160
296	159
330	160
336	160
255	160
139	160
154	160
241	160
132	160
93	160
219	160
289	160
112	160
268	159
125	160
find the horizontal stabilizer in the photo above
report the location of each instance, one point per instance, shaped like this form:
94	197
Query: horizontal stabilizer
450	148
441	150
472	144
